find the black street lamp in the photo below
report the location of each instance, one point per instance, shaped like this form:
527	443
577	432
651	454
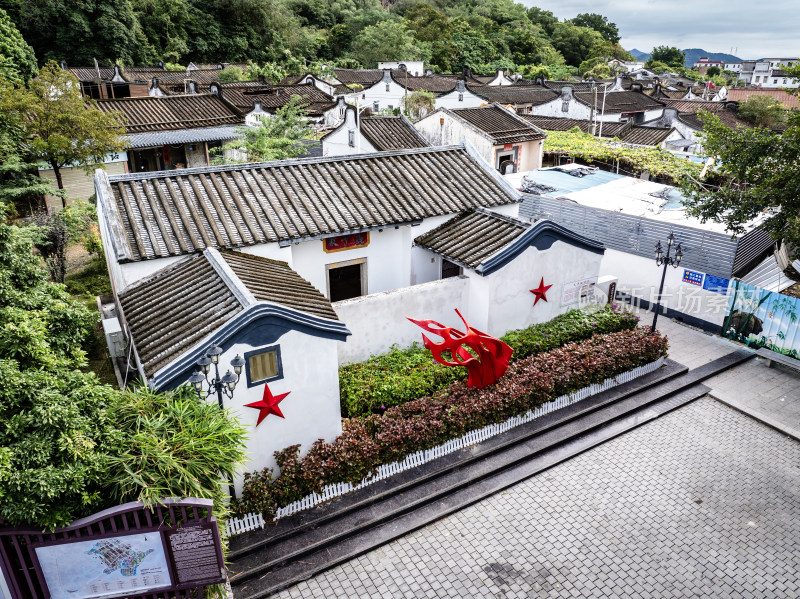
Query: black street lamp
666	261
221	386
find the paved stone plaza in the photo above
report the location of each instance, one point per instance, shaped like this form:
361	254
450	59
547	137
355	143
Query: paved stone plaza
703	502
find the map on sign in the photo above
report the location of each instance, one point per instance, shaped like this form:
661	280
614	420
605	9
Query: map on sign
107	567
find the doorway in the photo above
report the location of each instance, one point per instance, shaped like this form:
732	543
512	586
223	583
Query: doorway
347	279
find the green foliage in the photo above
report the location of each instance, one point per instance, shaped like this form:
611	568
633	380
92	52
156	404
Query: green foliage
232	73
658	66
274	138
387	40
173	446
89	282
174	67
57	125
69	445
656	161
17	61
762	111
575	42
713	71
419	103
600	24
669	55
405	374
81	31
759	176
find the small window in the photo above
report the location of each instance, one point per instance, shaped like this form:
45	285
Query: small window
387	87
263	365
351	138
449	269
460	97
376	106
390	107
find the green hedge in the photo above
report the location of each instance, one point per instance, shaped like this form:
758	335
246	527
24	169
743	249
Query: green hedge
406	374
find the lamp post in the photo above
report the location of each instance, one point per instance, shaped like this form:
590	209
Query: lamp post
666	261
222	386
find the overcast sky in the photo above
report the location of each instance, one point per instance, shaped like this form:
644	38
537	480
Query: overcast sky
758	29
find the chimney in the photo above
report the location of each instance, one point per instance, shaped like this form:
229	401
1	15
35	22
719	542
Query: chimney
387	76
63	65
155	90
161	65
192	86
461	86
117	74
566	98
257	106
539	81
216	89
636	87
428	72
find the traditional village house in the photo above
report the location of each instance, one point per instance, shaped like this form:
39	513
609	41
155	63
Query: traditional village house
617	106
371	134
174	131
637	135
324	247
505	140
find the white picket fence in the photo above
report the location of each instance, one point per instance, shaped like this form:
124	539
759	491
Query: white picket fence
252	521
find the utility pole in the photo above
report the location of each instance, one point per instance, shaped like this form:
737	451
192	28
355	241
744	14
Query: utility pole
593	110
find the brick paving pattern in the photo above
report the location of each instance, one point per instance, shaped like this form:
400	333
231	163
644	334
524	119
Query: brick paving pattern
703	502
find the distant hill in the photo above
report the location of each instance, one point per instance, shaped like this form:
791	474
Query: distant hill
692	56
695	54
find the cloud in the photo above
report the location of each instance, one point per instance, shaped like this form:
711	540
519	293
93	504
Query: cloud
715	26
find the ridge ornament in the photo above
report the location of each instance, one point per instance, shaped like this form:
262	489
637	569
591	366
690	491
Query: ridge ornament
268	404
540	292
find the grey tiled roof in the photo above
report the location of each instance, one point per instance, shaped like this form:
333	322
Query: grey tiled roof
172	112
627	132
153	215
514	94
624	101
502	125
174	309
472	237
182	136
391	133
179	306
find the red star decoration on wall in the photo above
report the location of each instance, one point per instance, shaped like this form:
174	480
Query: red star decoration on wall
268	404
540	291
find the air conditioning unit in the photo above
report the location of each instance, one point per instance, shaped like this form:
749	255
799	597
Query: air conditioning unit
115	338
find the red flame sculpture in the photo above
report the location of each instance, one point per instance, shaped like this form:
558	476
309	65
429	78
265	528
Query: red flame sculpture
493	354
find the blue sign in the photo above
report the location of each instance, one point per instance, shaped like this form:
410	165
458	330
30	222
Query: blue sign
717	284
692	277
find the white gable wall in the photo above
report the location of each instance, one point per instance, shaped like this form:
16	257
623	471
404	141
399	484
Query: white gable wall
311	410
457	99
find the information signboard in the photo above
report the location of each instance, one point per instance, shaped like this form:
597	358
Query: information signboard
573	291
107	567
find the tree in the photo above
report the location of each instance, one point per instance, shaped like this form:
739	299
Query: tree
274	138
17	61
713	71
759	176
600	24
57	125
69	445
574	42
79	31
762	111
388	40
419	103
231	73
543	18
427	23
669	55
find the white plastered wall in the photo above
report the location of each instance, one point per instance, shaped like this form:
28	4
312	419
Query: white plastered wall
311	410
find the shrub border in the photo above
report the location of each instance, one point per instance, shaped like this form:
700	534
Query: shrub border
251	521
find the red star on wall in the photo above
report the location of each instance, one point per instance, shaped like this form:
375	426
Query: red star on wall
540	291
268	404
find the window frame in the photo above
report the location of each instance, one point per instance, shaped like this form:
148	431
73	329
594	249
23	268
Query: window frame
263	350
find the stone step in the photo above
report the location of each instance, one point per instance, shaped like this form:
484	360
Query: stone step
360	521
